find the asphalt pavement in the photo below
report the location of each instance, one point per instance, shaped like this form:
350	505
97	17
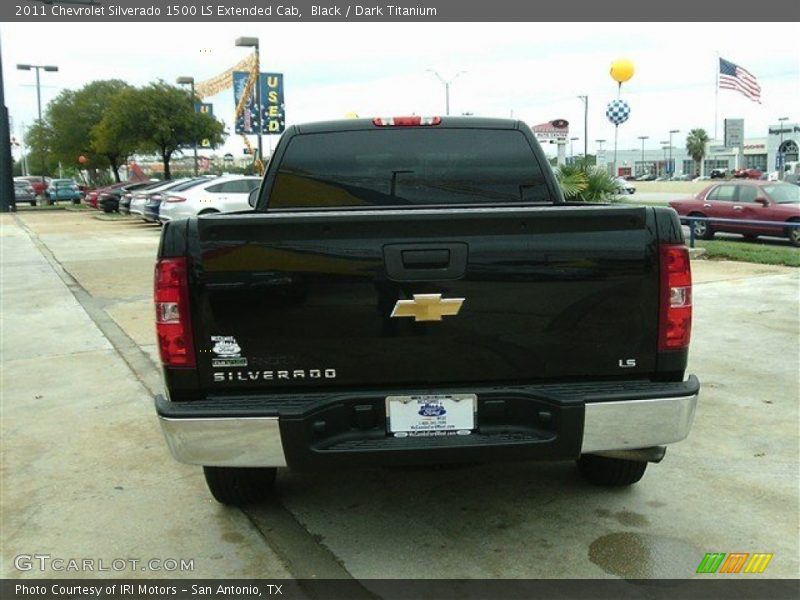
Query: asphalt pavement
86	472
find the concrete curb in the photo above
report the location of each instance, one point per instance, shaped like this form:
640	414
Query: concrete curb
697	253
111	217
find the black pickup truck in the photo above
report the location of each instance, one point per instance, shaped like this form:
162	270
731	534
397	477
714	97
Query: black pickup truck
415	291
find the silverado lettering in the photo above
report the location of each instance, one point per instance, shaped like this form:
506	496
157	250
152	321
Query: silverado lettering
434	268
271	375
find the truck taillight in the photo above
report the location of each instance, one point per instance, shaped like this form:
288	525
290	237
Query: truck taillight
675	319
412	121
173	324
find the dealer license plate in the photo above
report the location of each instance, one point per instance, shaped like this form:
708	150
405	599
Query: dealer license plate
452	414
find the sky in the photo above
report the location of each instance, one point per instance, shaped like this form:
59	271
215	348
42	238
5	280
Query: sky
531	71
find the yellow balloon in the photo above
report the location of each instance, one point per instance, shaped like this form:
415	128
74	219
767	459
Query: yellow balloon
622	70
351	115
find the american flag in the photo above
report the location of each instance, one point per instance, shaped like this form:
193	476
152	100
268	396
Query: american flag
734	77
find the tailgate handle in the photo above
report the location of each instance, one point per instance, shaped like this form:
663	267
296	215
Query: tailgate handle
426	259
425	262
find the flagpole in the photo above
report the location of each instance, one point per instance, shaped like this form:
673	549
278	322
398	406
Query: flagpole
716	97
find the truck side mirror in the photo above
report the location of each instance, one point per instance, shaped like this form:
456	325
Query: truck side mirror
761	200
252	198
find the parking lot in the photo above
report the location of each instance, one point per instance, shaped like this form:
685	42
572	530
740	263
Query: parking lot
86	472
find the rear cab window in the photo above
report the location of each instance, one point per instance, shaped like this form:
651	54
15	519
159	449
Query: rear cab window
394	167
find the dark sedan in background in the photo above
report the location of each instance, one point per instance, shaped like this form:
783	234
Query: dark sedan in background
90	199
744	200
108	200
124	206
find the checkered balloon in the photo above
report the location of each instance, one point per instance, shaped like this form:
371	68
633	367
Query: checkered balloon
618	111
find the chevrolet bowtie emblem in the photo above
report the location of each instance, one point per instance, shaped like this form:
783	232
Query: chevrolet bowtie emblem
427	307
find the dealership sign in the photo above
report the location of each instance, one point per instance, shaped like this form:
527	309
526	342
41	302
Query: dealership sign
204	107
246	121
274	110
557	129
270	95
734	133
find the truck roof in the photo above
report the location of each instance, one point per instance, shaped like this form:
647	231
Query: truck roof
447	122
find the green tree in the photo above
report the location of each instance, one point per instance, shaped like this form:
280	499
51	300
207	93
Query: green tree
38	140
158	118
696	146
71	118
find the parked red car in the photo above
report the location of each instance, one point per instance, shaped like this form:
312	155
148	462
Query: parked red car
745	200
748	173
91	197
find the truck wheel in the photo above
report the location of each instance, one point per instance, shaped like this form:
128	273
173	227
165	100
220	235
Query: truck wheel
610	472
240	485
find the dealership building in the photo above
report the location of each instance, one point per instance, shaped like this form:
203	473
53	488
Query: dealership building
758	153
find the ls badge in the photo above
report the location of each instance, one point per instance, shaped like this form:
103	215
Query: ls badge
427	307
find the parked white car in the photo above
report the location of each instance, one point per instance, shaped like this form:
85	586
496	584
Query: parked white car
624	186
224	194
140	197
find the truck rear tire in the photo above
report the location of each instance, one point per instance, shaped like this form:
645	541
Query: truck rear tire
610	472
240	485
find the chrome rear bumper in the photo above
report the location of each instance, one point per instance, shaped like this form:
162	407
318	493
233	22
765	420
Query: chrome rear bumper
632	424
256	441
225	442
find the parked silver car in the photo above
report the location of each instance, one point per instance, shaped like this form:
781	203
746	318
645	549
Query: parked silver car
224	194
23	192
140	198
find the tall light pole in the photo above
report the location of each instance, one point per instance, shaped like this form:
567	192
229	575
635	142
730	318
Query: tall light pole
669	163
252	42
190	81
780	146
446	83
585	100
49	68
643	138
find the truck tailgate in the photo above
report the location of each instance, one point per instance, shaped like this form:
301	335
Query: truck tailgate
292	300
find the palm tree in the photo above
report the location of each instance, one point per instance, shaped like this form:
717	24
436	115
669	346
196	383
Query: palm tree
586	183
696	146
572	180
